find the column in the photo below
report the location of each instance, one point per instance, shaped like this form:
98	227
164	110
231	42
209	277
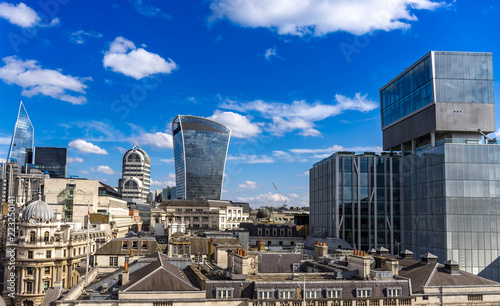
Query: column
34	287
40	282
413	146
433	139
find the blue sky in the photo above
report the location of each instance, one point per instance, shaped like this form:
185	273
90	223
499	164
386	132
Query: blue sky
296	80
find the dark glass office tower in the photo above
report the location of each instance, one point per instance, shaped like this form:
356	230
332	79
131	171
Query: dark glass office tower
450	175
21	146
52	160
356	197
200	151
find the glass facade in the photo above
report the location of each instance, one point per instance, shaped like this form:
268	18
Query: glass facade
51	160
451	196
200	150
357	198
21	146
409	92
462	77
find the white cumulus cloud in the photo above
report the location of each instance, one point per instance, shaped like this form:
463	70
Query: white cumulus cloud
158	140
124	57
250	159
105	169
320	17
301	115
86	147
36	80
75	160
79	36
241	126
20	15
248	185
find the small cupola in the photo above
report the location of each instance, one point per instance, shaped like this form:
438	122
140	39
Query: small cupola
428	258
451	267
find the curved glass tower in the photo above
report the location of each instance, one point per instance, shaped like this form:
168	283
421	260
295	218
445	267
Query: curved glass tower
200	151
21	146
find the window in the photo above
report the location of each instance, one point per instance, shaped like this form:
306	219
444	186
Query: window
199	210
289	232
275	232
196	218
29	286
113	261
286	294
47	270
64	253
393	292
29	270
282	232
280	243
145	245
32	236
333	293
313	294
474	297
124	244
30	254
46	237
259	232
46	285
267	232
265	294
224	293
205	218
134	245
363	292
48	254
27	303
64	268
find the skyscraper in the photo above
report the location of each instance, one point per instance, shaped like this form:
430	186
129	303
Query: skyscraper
21	146
136	175
200	151
433	113
51	160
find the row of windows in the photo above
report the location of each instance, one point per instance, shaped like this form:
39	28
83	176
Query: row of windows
134	244
408	104
460	65
285	294
465	91
274	231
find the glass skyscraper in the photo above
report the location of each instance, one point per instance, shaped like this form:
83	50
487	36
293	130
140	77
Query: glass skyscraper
200	151
21	146
356	197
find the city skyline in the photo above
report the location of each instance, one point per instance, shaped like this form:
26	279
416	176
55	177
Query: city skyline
291	95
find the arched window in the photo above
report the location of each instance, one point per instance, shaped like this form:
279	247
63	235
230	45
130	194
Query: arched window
32	236
131	185
46	237
134	158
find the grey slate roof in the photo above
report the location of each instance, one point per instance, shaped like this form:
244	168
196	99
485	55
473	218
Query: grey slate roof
160	275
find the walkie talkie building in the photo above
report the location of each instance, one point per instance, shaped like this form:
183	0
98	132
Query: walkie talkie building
200	151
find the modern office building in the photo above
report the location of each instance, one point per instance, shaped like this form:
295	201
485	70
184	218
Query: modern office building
357	198
200	151
434	113
136	175
52	161
21	146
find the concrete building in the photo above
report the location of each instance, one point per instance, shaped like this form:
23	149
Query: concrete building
284	278
116	252
195	215
47	254
136	175
200	151
274	235
357	197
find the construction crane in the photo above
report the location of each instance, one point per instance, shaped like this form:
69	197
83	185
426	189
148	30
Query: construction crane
279	195
489	140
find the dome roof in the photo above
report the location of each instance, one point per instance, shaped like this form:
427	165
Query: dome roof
263	213
38	210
